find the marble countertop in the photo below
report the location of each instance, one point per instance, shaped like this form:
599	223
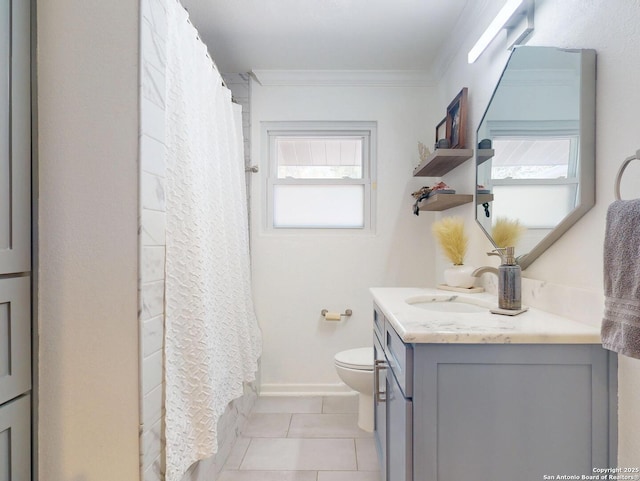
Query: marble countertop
417	325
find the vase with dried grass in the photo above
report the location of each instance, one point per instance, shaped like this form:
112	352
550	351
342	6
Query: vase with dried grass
506	232
449	232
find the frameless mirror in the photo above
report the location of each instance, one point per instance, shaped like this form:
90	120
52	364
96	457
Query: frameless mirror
535	162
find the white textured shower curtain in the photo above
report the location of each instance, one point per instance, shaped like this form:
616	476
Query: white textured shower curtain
212	341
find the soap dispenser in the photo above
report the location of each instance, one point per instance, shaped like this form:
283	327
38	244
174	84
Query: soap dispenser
509	279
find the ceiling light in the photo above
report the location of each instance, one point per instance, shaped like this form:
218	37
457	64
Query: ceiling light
512	9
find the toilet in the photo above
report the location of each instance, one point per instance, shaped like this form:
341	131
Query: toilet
355	368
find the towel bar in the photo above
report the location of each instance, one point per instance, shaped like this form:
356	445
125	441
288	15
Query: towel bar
626	162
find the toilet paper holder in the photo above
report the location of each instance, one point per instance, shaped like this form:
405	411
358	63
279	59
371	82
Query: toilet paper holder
335	316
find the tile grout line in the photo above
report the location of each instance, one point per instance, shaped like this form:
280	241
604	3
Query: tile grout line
355	453
246	450
317	477
289	427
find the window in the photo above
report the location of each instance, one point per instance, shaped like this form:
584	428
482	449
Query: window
535	178
534	172
320	175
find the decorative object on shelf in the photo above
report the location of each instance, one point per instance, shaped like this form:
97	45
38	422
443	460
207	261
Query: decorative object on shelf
457	120
423	152
416	205
441	130
442	144
484	144
507	232
449	231
481	190
441	188
485	206
424	193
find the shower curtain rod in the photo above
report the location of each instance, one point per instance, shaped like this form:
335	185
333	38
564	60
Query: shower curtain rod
213	62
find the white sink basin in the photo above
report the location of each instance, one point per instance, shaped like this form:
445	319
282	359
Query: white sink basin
449	304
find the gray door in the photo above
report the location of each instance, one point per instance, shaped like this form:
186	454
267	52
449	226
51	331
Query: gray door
15	240
15	138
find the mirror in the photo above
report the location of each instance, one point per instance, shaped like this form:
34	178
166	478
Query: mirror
535	162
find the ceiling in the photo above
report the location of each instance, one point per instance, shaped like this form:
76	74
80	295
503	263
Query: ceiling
245	35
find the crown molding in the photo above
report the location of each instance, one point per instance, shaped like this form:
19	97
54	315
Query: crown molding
360	78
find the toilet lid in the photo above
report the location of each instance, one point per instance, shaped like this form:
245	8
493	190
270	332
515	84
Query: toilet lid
361	358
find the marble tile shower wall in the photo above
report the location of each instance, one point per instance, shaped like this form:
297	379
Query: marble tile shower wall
153	33
152	223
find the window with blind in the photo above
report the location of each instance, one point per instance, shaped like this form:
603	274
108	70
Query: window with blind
320	175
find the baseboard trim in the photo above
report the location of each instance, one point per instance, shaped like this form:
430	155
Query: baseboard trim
340	389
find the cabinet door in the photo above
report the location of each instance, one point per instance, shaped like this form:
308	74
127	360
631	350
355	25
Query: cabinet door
399	433
15	337
497	412
380	408
15	440
15	138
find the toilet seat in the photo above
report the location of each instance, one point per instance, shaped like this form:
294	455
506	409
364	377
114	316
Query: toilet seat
360	359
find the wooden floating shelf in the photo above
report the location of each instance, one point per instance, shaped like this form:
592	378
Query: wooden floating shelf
482	155
483	198
440	202
441	162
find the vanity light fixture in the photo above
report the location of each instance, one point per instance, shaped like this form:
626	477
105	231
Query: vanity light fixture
508	17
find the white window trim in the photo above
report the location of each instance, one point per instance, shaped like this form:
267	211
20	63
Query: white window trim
531	129
271	129
548	128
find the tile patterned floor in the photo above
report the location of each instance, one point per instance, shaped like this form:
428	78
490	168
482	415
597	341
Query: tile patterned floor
303	439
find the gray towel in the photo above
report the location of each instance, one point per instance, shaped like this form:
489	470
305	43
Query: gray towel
621	322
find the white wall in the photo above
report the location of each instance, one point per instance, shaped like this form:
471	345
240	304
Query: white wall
612	29
87	62
296	276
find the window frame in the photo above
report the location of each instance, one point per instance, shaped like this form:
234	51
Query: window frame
273	130
542	129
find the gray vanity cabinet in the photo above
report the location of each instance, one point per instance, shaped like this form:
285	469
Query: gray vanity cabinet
380	405
399	432
499	411
393	405
492	412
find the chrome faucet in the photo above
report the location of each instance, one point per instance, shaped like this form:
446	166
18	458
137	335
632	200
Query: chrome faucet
509	278
483	270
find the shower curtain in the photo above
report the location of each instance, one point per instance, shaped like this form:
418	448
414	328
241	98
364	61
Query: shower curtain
212	341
